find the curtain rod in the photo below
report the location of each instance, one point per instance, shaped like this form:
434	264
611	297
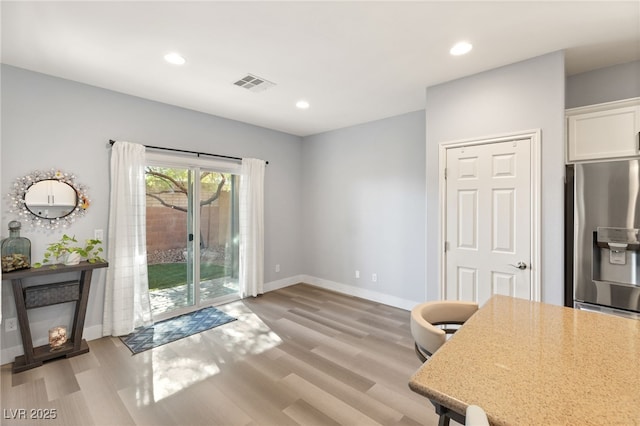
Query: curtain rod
111	142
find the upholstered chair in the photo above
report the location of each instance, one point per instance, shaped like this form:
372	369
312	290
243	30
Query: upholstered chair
432	321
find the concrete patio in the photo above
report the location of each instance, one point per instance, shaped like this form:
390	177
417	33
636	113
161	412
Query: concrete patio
169	299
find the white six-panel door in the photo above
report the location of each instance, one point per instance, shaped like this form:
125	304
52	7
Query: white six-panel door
488	221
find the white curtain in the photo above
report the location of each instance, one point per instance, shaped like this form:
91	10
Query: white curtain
126	302
252	227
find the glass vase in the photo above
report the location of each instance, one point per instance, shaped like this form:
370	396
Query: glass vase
16	250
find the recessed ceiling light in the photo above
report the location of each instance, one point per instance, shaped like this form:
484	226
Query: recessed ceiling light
174	58
461	48
302	104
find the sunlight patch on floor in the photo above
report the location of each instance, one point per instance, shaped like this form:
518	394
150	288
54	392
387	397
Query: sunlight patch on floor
173	375
249	334
181	364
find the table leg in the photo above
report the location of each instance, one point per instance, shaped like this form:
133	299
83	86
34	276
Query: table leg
81	309
446	415
443	420
23	321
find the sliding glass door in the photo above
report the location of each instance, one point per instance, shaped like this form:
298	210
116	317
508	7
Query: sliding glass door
218	236
192	236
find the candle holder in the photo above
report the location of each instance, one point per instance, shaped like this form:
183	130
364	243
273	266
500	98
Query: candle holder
57	337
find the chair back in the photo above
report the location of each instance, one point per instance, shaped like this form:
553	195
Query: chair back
476	416
426	316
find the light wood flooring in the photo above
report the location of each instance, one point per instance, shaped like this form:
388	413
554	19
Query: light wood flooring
296	356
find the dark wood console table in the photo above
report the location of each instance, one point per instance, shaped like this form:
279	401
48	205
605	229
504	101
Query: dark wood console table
37	295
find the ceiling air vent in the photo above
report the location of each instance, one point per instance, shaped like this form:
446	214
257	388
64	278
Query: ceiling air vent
254	83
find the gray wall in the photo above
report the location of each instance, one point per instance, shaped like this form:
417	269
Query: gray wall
364	208
346	200
49	122
522	96
604	85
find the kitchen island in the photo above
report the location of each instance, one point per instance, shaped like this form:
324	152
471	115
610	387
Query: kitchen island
532	363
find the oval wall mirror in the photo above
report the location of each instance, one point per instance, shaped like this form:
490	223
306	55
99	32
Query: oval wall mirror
51	199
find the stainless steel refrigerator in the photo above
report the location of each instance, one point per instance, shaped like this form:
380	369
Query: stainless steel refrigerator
602	226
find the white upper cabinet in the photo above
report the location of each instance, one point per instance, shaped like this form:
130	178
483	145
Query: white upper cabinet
609	130
51	192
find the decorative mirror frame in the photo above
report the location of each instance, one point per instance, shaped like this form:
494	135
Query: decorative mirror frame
22	185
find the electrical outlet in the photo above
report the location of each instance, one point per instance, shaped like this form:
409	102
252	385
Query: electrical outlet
98	234
374	278
11	324
357	274
277	267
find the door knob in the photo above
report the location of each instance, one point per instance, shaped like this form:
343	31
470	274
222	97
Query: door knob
519	265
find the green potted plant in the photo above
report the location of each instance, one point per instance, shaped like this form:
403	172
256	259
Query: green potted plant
68	251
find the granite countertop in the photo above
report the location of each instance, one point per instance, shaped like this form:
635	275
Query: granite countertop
533	363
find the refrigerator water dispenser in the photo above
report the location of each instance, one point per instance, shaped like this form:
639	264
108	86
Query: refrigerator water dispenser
615	255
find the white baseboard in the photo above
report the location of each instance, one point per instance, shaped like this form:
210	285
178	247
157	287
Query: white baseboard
285	282
350	290
363	293
9	354
93	332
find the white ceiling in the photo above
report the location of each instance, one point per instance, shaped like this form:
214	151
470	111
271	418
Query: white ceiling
353	61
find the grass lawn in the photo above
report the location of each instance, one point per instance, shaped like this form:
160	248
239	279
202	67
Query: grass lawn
167	275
